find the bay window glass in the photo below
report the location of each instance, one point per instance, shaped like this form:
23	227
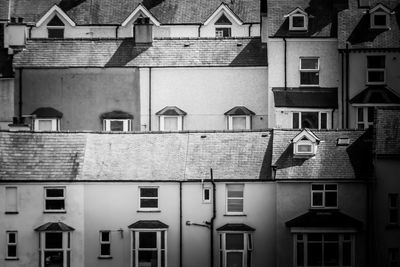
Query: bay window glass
149	248
235	249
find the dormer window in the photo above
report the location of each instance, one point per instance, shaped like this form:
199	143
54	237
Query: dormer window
305	144
46	119
117	121
298	20
379	17
239	118
223	27
55	28
171	118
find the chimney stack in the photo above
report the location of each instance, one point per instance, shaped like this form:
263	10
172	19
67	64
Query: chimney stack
143	31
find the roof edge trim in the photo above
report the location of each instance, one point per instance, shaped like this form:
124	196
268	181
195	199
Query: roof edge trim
227	11
55	9
143	9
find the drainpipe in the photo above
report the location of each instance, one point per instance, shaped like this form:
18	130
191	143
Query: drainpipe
180	224
212	220
347	86
342	100
198	31
250	29
285	55
30	32
20	97
333	110
116	32
149	98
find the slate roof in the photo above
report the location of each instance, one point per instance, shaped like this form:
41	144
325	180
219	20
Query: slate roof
353	27
330	162
322	17
134	156
310	97
54	226
324	218
116	11
116	114
47	112
123	53
4	7
376	94
387	131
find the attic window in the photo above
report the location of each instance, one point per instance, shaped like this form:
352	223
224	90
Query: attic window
117	121
171	118
55	28
305	144
239	118
343	141
298	22
46	119
379	17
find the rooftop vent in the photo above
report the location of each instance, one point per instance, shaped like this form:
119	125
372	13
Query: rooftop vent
343	141
186	44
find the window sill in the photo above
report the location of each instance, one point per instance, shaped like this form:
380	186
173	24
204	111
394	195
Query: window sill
104	257
148	210
235	214
11	212
11	259
55	211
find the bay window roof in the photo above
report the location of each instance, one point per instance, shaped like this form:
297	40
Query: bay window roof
239	110
54	227
323	218
148	224
171	111
47	112
116	114
239	227
378	94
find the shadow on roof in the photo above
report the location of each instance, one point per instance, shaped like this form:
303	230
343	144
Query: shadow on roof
253	54
265	172
286	159
126	52
360	155
66	5
362	32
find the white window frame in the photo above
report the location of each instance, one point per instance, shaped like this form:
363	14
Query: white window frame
219	31
305	142
205	188
317	70
328	117
323	191
7	208
393	208
66	246
364	120
247	246
341	241
140	198
135	249
8	244
230	121
375	70
179	118
102	242
55	28
293	28
228	198
127	124
55	123
55	198
379	13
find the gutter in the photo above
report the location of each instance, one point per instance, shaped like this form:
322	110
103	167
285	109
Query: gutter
251	24
212	220
198	31
30	32
285	59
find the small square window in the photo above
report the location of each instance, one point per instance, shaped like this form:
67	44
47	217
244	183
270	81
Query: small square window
117	125
54	199
324	195
206	195
234	198
379	20
239	122
171	123
222	32
148	198
46	124
298	22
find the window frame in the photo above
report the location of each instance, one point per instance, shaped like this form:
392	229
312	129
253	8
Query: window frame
379	13
127	125
307	153
135	249
49	28
14	244
207	201
305	22
320	112
179	123
364	120
55	124
248	125
46	198
219	30
382	69
324	191
317	71
246	251
140	198
227	198
6	208
65	248
394	208
102	242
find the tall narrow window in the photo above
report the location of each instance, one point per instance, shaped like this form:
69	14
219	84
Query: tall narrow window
393	208
149	248
309	71
310	119
365	117
55	28
234	198
324	195
235	249
11	200
11	246
105	244
54	199
376	73
148	198
206	195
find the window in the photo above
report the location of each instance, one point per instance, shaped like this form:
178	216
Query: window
55	28
11	246
239	122
235	249
47	124
323	249
234	198
206	195
55	249
379	20
310	119
309	71
393	208
148	199
394	259
298	22
365	117
324	195
11	200
376	73
171	123
149	248
105	244
117	125
54	199
222	32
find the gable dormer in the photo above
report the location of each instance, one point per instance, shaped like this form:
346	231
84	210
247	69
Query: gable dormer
298	20
223	20
380	17
305	144
62	17
140	12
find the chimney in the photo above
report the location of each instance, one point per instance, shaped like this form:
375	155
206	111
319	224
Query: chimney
19	125
143	31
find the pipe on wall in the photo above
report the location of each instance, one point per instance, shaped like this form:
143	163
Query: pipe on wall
342	100
20	97
212	220
180	225
347	85
285	59
149	98
116	31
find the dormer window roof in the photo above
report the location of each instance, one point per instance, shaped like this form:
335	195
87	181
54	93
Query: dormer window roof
141	11
228	16
223	20
379	17
305	144
298	20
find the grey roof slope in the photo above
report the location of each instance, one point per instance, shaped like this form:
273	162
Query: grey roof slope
124	53
330	162
387	131
4	8
353	27
141	156
116	11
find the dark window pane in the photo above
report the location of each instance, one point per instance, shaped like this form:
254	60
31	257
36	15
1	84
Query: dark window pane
370	114
53	240
68	258
346	254
317	199
331	254
147	240
55	21
163	240
324	121
309	120
56	33
314	237
380	20
376	76
116	125
309	78
376	62
53	259
234	241
206	194
56	192
105	249
300	254
148	192
235	205
148	259
330	199
248	258
331	187
234	259
309	63
12	251
393	200
314	254
298	21
11	238
331	237
223	32
393	218
296	120
317	187
360	126
55	204
149	203
299	237
360	114
163	258
105	236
